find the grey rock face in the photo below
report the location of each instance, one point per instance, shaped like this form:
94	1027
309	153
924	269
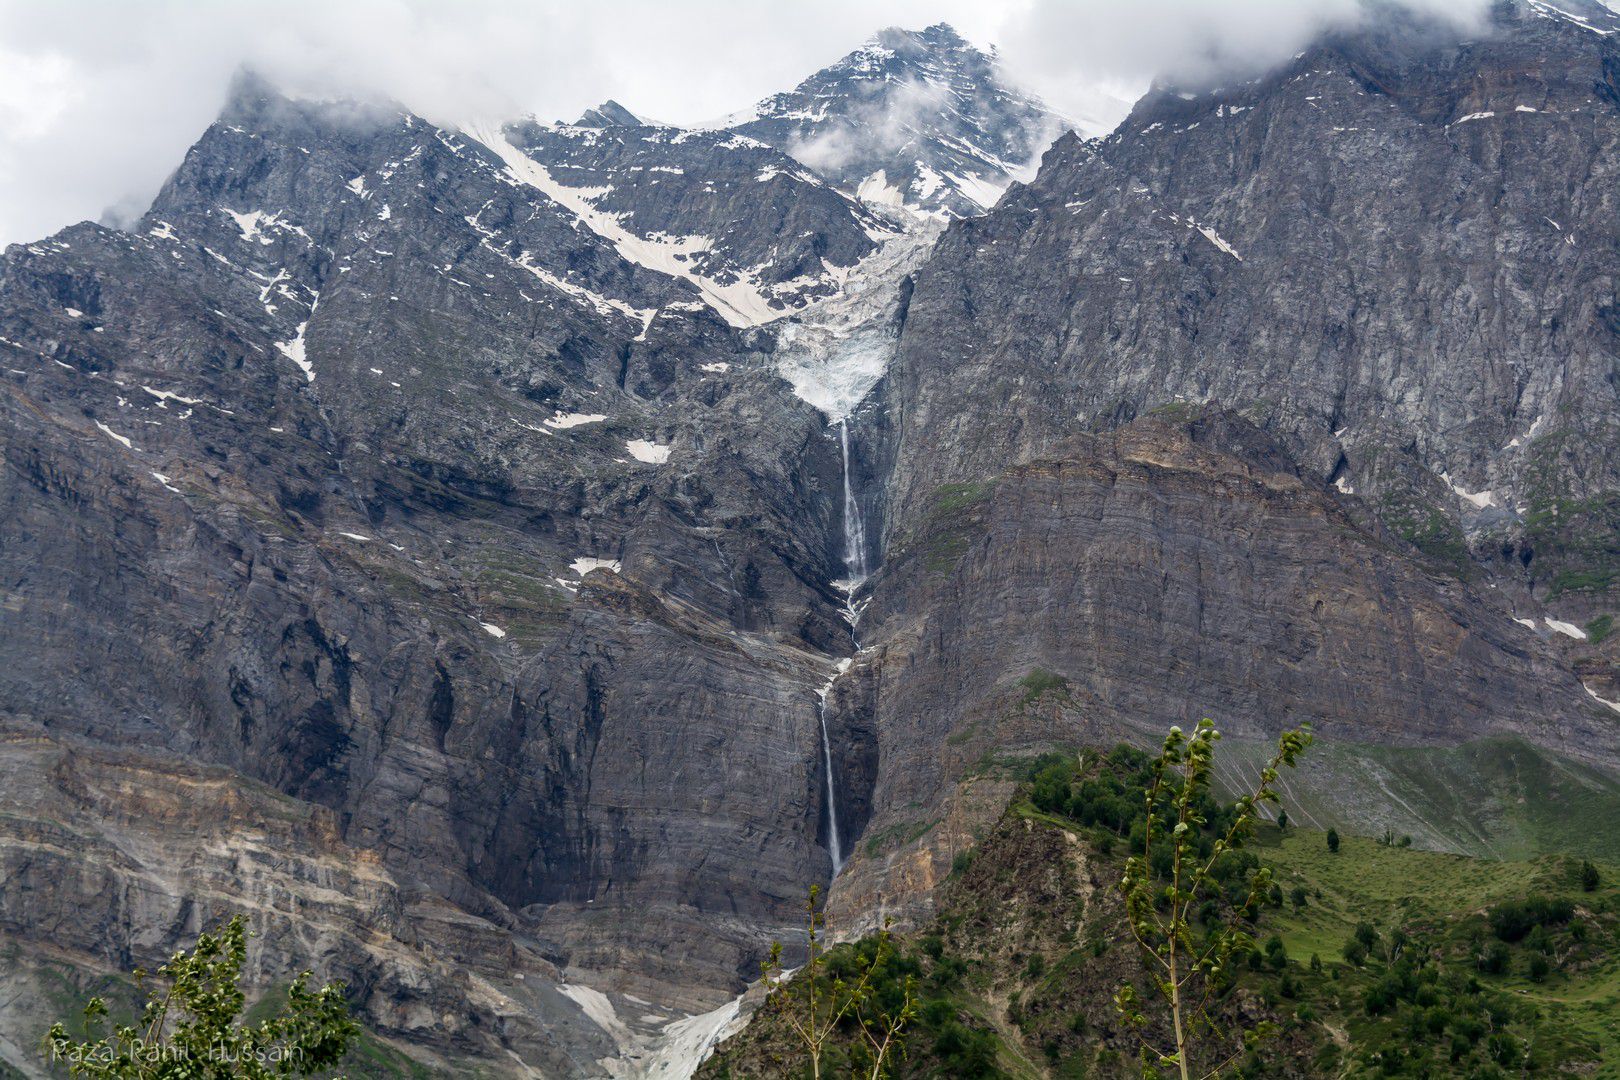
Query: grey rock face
718	205
1371	252
412	539
609	114
369	473
1368	256
916	119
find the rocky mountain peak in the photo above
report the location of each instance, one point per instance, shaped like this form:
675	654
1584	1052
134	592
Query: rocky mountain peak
913	120
609	114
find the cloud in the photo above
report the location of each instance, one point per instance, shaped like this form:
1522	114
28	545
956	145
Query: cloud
99	99
875	127
1072	49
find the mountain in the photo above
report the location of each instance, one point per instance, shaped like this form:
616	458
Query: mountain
608	114
512	562
755	232
369	502
913	119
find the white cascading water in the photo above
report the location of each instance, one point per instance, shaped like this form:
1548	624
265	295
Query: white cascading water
854	527
855	572
835	846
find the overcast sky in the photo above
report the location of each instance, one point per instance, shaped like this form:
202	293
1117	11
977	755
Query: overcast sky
99	99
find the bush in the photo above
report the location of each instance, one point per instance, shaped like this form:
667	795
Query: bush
1493	960
1590	878
1333	840
195	1025
1539	968
1513	920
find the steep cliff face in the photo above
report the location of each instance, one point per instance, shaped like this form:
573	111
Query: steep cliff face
1382	315
368	471
563	544
758	232
1398	253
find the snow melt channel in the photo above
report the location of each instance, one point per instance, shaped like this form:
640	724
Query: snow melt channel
739	304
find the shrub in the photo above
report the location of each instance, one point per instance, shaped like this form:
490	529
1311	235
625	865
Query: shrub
1493	960
1539	967
195	1025
1513	920
1590	878
1333	840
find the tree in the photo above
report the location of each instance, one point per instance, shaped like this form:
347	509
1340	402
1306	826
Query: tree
193	1025
1539	967
814	1004
1333	841
1589	876
1186	971
1282	819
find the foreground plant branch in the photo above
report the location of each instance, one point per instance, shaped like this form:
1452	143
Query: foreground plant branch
1185	971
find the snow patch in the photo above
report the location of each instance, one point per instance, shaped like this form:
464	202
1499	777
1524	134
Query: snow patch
650	452
114	436
1615	705
249	223
492	630
294	351
1479	499
166	396
598	1008
563	421
355	536
687	1043
1213	237
977	189
586	563
1567	629
877	189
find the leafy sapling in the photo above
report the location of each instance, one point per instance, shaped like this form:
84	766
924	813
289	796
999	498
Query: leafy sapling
1188	968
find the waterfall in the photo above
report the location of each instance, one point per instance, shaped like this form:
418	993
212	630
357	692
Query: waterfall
856	571
834	847
854	528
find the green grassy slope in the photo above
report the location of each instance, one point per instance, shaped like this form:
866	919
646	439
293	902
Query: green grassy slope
1497	798
1016	974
